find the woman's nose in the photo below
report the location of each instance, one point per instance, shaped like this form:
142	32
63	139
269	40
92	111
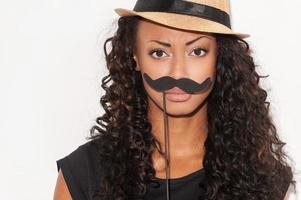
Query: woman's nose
178	66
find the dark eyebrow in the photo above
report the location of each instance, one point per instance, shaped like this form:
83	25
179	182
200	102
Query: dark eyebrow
187	43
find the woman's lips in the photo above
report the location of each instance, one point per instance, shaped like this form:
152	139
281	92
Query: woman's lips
177	95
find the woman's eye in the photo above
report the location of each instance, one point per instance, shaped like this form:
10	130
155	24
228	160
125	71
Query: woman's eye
200	51
157	52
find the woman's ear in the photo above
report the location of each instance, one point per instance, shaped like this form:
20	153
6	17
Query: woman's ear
137	67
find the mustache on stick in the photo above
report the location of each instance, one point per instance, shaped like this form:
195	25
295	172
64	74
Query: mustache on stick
166	82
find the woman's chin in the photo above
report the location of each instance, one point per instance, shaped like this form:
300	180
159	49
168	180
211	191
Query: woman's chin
178	110
183	109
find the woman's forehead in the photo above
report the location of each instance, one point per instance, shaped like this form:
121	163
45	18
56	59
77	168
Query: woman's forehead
150	30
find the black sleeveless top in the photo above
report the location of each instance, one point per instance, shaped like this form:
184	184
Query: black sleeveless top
80	174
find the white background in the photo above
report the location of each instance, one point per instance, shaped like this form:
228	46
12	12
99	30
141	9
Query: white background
52	62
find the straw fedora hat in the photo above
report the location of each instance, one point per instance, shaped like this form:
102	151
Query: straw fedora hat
211	16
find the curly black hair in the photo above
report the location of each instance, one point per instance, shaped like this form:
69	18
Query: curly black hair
244	156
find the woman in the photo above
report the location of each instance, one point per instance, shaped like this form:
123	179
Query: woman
185	117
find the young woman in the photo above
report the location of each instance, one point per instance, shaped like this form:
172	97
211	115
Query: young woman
185	116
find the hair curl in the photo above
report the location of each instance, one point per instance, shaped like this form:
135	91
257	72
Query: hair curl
244	156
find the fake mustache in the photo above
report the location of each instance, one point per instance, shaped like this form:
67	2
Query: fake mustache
166	82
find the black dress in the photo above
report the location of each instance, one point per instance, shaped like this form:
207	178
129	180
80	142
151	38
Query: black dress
80	174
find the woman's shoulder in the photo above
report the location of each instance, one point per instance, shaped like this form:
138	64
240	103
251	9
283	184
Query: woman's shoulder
80	172
84	156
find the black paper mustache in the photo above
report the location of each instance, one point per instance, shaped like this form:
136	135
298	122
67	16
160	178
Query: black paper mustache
166	82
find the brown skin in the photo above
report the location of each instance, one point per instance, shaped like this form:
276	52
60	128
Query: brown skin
187	120
61	191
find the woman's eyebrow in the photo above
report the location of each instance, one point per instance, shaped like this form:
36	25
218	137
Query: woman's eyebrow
187	43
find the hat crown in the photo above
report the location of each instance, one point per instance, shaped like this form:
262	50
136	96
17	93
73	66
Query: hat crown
212	16
220	4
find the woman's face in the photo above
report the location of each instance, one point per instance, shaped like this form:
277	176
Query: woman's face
163	51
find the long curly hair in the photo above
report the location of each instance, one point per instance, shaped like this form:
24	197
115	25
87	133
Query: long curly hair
244	156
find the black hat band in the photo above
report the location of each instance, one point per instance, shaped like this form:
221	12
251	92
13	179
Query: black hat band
184	7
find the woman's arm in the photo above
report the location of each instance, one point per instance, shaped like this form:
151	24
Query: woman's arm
61	190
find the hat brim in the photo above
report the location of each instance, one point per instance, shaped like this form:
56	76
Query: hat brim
180	21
